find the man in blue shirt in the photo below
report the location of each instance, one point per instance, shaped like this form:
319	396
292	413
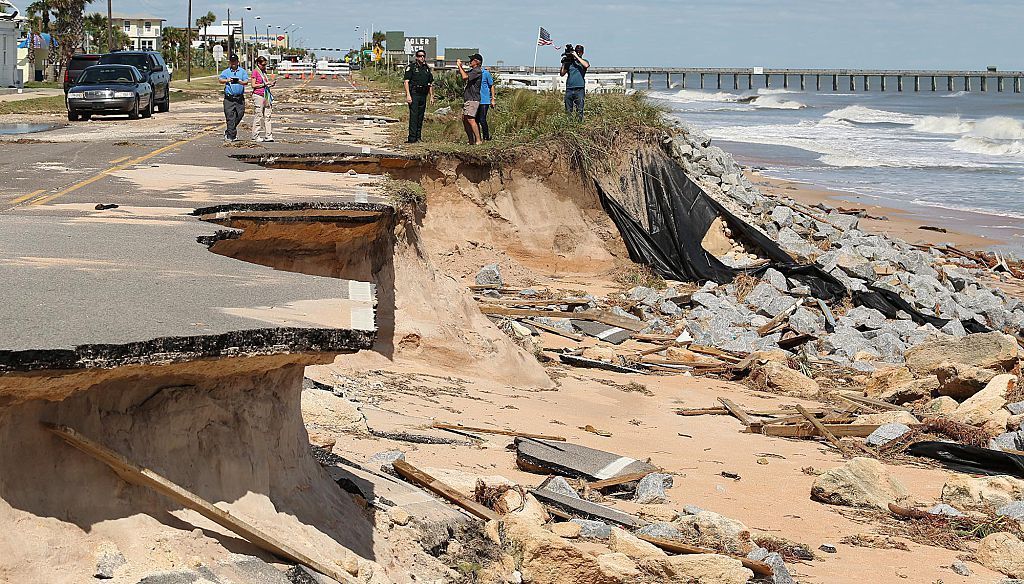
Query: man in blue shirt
575	67
486	101
234	79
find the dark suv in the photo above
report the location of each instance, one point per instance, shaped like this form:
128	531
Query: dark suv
151	65
76	65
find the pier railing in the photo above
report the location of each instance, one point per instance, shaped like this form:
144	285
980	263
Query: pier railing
834	79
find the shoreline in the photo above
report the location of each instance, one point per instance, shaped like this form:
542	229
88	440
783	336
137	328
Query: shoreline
899	223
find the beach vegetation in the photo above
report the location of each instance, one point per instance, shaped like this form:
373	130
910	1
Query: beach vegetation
523	118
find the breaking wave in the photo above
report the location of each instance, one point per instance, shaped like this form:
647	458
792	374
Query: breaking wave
694	95
774	101
942	125
859	114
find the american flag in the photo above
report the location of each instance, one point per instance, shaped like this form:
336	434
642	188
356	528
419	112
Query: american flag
545	38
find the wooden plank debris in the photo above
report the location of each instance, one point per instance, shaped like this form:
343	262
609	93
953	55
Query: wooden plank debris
555	330
725	356
736	411
444	426
533	301
824	431
619	480
808	431
595	364
428	482
877	403
602	316
779	319
144	477
795	341
669	545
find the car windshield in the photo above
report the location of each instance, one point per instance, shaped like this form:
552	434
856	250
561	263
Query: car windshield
140	62
94	75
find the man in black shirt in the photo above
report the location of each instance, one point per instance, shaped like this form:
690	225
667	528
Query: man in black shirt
471	96
419	85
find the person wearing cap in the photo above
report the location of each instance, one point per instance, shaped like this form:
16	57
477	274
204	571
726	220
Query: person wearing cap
486	101
262	101
575	72
419	86
471	96
234	79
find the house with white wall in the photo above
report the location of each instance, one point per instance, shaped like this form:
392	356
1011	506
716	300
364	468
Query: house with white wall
143	31
10	29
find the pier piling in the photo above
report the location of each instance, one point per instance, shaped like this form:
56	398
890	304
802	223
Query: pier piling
899	83
883	83
917	83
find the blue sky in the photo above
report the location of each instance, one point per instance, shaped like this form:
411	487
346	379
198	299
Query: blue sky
951	34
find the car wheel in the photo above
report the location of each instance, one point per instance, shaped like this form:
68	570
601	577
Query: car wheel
134	114
148	112
72	116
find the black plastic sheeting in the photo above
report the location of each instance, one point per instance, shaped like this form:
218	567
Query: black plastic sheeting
971	459
679	214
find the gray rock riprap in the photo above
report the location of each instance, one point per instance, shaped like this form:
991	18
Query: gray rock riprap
490	275
593	529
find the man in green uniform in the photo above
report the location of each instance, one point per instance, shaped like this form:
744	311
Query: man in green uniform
419	86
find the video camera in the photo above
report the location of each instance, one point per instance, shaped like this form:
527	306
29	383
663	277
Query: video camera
569	55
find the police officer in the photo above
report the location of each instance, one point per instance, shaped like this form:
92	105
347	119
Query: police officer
419	86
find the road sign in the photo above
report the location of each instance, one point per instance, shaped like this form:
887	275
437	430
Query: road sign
218	54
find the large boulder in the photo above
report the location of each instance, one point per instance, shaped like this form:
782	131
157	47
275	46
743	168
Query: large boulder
697	569
731	534
1002	552
779	378
960	381
625	542
940	406
861	482
996	491
987	404
993	350
549	559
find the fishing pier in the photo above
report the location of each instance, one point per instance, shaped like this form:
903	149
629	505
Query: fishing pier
816	79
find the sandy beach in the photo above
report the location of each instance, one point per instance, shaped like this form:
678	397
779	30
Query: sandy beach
961	232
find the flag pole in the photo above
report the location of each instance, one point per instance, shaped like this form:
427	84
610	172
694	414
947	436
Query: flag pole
537	43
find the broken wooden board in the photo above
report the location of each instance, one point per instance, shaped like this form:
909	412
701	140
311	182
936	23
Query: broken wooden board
877	403
607	333
531	302
619	480
584	509
808	431
575	461
554	330
824	431
736	411
758	568
602	316
144	477
433	485
444	426
595	364
795	341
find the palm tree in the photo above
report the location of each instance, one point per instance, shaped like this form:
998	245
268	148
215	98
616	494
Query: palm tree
69	22
204	22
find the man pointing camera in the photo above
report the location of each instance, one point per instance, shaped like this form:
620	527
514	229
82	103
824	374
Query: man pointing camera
575	67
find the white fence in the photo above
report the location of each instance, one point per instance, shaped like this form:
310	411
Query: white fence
596	82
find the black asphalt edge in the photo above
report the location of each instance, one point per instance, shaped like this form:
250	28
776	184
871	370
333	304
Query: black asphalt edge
246	343
328	156
382	208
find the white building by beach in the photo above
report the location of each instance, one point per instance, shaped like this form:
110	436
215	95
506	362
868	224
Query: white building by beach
143	31
10	29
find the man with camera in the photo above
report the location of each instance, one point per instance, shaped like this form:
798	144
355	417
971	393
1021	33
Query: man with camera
575	67
471	96
419	86
234	79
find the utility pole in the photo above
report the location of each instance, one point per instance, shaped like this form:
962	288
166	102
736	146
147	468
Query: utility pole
110	26
231	36
188	45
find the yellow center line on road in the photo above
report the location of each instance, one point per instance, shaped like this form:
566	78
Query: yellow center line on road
24	198
122	166
119	164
